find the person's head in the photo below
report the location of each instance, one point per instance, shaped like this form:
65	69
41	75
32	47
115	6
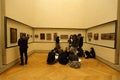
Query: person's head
22	35
79	34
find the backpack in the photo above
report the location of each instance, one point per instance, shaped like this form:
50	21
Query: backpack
75	64
63	59
51	58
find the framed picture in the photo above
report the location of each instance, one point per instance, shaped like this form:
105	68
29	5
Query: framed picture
48	36
96	36
89	36
13	35
36	36
55	35
42	36
64	36
108	36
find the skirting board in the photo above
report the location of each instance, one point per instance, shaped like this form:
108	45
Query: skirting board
114	66
4	67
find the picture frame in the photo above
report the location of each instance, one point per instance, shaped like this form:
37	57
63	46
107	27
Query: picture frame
36	36
42	36
48	36
89	36
13	35
55	35
64	36
108	36
96	36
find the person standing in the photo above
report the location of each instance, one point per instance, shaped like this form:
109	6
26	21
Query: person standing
57	42
80	38
23	46
75	44
70	40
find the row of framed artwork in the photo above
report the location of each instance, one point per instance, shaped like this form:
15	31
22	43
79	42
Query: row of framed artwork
42	36
48	36
104	36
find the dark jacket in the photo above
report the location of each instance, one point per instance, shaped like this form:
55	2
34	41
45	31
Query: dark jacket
57	40
23	42
81	42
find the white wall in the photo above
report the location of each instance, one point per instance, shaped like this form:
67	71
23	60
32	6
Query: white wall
106	28
104	53
12	50
21	28
99	11
50	44
103	48
62	13
20	10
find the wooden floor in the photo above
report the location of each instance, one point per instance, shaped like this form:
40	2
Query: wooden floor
37	69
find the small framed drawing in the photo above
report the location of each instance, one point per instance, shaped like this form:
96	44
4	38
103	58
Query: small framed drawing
96	36
42	36
55	35
13	35
36	36
64	36
48	36
89	36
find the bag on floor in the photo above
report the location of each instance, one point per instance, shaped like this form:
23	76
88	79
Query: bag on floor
75	64
63	58
51	58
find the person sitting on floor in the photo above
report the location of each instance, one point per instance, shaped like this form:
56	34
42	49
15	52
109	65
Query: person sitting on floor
74	61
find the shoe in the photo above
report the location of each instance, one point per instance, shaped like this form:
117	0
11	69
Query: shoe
21	64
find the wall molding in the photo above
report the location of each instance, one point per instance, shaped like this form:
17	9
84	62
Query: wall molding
100	45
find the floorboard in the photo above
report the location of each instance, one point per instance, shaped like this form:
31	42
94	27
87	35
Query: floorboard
37	69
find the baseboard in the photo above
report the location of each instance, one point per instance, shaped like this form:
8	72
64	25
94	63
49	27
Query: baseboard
112	65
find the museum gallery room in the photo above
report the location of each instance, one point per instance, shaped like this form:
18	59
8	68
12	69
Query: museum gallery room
96	22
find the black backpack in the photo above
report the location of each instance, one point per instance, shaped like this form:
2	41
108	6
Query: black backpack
51	58
63	58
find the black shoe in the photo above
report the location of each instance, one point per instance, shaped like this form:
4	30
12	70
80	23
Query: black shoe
21	64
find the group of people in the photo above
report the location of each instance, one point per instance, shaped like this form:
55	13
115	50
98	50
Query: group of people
63	57
71	54
75	42
75	45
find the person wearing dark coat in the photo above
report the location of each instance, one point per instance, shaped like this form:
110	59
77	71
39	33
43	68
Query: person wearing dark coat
75	44
63	58
51	57
23	46
92	52
80	40
57	42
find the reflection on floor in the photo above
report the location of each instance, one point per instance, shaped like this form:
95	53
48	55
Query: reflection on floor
37	69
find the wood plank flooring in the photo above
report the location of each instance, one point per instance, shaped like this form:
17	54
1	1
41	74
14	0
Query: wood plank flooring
37	69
